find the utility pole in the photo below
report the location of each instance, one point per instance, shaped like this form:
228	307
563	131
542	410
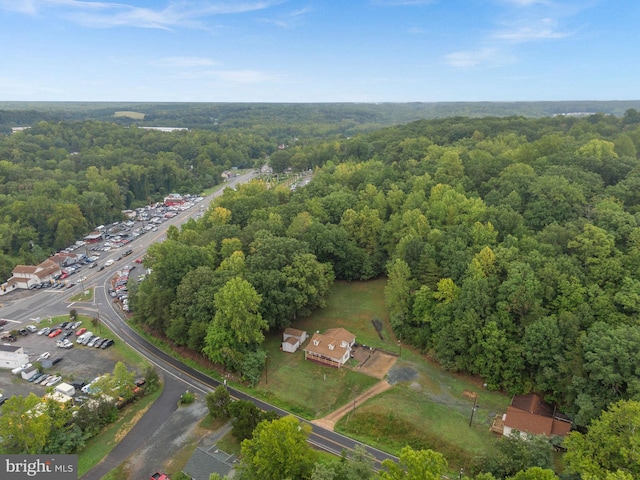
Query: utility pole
473	409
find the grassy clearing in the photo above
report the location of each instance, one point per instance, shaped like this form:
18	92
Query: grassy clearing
129	114
425	410
353	306
229	444
85	296
317	391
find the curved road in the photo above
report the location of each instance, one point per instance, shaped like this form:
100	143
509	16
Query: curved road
178	376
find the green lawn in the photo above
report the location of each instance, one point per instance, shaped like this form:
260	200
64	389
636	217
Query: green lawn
306	388
428	410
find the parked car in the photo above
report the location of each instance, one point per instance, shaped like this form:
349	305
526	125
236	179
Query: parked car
55	333
80	331
93	341
43	379
23	332
21	368
43	356
32	328
51	382
56	361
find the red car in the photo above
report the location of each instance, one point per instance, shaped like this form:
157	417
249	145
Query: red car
138	260
55	333
80	331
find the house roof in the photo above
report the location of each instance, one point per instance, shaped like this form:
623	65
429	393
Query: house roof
24	270
341	334
205	462
47	268
327	345
532	414
294	332
292	340
532	403
10	349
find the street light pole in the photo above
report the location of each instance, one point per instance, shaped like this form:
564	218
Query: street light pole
473	409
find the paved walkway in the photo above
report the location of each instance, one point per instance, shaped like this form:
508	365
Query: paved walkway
330	420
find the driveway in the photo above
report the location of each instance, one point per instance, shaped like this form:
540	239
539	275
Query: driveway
147	433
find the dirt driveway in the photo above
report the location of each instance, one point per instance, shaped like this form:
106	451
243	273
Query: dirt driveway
373	362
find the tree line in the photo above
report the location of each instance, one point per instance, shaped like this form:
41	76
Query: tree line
61	180
511	246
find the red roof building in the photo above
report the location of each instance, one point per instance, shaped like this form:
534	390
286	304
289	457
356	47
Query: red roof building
532	414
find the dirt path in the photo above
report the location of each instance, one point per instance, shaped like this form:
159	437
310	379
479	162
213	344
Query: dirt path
330	420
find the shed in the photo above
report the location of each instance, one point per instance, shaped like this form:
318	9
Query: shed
12	356
292	338
65	389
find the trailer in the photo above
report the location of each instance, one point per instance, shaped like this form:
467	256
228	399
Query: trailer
29	373
65	389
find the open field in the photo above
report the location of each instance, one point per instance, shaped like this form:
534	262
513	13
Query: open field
129	114
425	406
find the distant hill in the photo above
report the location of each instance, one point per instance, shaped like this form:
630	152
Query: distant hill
339	118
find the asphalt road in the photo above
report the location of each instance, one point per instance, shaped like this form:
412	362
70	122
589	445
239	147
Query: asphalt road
178	375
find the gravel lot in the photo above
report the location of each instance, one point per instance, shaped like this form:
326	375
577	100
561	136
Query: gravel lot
79	363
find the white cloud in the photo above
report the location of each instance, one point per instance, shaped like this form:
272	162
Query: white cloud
543	29
488	56
98	14
184	62
290	19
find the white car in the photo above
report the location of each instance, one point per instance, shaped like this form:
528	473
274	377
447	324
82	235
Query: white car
110	262
53	381
21	368
44	356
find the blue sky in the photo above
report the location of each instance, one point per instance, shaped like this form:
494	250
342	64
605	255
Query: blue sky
319	50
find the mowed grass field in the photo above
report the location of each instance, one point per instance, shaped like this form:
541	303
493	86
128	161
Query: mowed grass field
425	408
134	115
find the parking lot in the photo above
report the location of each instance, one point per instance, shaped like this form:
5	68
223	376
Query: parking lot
80	363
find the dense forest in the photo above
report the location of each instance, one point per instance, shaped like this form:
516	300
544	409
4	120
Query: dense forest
58	181
511	245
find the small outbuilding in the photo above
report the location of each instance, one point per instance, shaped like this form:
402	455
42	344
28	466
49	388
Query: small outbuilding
292	339
65	389
12	356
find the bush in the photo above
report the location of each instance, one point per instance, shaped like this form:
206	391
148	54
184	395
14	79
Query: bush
187	398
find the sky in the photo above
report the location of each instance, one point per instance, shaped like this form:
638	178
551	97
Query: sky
319	50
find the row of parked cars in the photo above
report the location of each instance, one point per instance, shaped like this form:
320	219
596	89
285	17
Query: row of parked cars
91	340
